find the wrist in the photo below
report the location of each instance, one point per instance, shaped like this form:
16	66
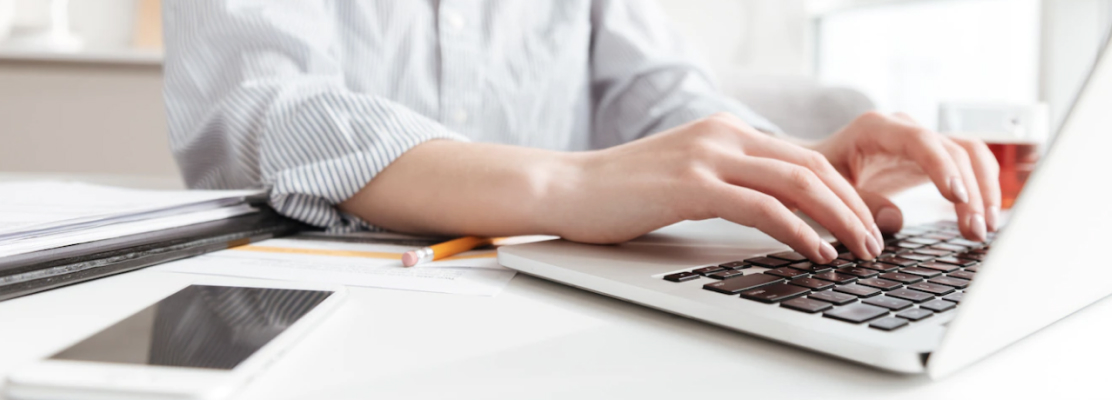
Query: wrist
559	189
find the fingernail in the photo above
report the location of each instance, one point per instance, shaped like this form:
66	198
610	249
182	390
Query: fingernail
889	219
873	246
957	187
827	252
876	233
992	218
977	226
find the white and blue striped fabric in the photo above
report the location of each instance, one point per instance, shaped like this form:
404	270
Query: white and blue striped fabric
312	98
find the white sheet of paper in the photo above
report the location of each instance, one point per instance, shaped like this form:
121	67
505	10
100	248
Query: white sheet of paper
355	264
29	208
120	229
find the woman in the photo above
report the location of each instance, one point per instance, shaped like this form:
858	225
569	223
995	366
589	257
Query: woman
586	119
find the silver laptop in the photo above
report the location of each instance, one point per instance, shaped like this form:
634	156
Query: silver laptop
936	304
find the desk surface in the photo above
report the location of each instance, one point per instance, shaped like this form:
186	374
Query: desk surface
543	340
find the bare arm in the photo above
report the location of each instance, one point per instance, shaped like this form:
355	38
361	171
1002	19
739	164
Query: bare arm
457	188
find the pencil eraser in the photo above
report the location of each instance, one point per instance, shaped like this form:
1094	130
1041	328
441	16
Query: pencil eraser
410	258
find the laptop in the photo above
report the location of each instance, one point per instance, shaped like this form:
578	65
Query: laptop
933	304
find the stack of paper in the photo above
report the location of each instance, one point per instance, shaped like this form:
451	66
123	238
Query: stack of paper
38	216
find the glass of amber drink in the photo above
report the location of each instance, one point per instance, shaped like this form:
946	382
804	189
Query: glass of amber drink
1016	134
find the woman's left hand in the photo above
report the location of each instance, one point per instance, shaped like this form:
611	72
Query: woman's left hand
881	155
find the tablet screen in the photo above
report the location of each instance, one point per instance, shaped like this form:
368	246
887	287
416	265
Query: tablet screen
214	327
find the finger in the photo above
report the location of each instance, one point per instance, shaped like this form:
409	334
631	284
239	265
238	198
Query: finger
758	210
971	214
817	163
925	148
987	170
803	188
888	216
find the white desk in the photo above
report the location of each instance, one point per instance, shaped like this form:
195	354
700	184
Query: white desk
542	340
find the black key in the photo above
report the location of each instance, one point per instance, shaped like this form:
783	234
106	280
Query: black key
910	245
708	270
895	250
735	265
956	261
966	243
923	240
967	275
908	294
879	283
935	289
917	257
806	305
831	296
901	277
890	303
949	247
858	290
938	305
948	281
725	274
681	277
933	252
903	262
858	272
835	277
954	297
767	262
981	251
856	313
889	323
937	266
785	272
811	283
915	314
847	256
971	256
838	263
774	293
923	272
878	266
742	283
789	255
972	268
808	266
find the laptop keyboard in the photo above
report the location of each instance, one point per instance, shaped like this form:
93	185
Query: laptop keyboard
924	270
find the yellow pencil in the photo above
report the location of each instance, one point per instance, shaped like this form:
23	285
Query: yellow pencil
442	250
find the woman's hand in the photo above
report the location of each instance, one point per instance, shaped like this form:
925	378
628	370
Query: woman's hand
715	167
881	155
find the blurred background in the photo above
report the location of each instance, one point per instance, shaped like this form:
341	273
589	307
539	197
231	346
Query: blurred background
80	82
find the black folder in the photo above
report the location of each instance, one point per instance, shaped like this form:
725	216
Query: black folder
34	272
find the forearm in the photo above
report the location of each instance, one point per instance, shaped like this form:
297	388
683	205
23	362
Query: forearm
454	188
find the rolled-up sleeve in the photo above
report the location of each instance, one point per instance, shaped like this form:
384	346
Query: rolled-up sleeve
256	98
645	79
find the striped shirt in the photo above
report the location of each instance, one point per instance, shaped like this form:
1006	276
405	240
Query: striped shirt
312	99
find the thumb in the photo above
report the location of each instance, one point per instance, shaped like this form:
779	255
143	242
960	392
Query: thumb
887	215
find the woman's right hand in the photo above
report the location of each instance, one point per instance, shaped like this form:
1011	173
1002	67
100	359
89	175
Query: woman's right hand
717	167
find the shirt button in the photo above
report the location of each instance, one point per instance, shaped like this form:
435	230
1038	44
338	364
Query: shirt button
455	21
460	116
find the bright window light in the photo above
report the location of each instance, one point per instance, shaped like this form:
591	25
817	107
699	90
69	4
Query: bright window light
911	56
